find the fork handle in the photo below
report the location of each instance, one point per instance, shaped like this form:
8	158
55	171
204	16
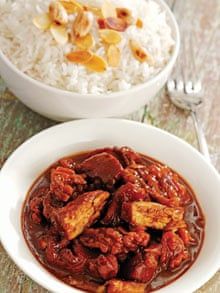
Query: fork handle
203	147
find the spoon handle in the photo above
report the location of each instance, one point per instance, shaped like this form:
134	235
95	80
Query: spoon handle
201	137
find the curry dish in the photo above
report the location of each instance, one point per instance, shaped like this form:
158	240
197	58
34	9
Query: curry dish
113	220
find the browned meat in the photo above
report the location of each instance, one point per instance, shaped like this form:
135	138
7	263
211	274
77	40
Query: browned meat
104	166
127	192
143	266
109	240
80	213
36	204
119	286
127	155
166	187
173	253
63	181
103	267
64	258
150	214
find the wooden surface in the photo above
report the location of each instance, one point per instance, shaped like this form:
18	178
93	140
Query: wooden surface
198	19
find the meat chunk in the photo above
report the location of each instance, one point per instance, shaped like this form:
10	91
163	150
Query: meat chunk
165	186
80	213
127	192
109	240
143	266
63	181
127	155
103	267
150	214
173	253
66	259
104	166
119	286
36	204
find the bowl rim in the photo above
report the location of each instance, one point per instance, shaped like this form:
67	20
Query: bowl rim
101	121
112	95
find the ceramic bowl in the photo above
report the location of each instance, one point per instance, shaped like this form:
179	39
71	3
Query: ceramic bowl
36	154
63	105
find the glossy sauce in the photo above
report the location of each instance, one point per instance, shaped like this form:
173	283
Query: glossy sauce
32	232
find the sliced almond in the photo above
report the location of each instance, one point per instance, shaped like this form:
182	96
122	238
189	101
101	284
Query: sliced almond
139	23
58	13
85	43
96	64
80	57
113	55
110	36
108	10
42	21
139	52
59	32
125	14
83	23
71	6
116	24
95	10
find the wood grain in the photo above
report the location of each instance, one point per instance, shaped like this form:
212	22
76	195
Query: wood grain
18	123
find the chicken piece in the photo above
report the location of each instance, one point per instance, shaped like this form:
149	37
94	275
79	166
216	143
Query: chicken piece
36	204
127	192
103	267
63	181
143	267
127	155
64	258
187	238
119	286
109	240
166	187
173	252
150	214
104	166
80	213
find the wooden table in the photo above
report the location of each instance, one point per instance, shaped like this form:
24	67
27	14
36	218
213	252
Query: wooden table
17	123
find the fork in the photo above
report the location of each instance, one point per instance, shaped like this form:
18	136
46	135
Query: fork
187	95
185	86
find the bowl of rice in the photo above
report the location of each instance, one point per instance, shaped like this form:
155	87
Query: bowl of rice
86	58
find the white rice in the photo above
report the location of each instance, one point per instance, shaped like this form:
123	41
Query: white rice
37	54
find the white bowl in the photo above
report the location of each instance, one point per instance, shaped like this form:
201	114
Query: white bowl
35	155
64	105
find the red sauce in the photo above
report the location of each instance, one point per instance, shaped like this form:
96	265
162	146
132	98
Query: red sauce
113	219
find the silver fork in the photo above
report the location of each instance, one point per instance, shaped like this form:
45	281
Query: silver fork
185	87
187	95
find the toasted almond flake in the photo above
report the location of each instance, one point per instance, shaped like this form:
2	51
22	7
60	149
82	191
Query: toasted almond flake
83	23
86	42
108	10
110	36
139	23
60	34
95	10
58	13
42	21
80	57
96	64
113	55
139	52
125	14
116	24
71	6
